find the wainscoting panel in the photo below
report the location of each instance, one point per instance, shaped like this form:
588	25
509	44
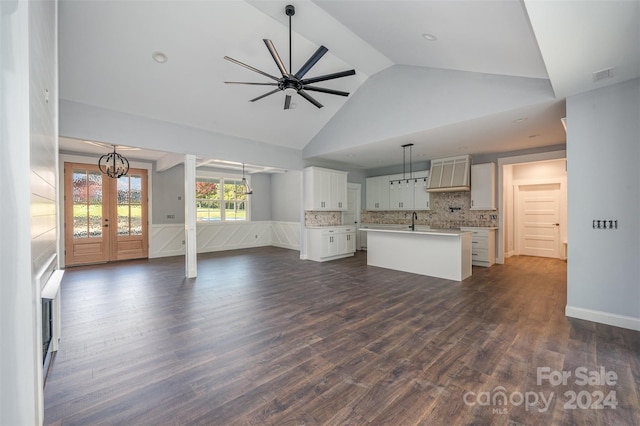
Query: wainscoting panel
285	235
167	240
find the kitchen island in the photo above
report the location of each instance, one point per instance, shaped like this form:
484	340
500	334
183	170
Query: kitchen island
442	253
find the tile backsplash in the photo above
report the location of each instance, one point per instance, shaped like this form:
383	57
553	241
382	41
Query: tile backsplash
441	215
322	218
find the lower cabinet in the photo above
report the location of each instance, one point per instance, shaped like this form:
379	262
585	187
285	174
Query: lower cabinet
483	246
330	243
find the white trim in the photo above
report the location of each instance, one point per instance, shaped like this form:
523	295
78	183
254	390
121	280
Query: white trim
191	258
528	158
601	317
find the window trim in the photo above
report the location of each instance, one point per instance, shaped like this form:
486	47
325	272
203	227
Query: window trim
222	176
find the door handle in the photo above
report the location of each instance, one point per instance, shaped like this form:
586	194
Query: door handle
106	225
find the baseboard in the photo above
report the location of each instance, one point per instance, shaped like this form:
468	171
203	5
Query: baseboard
285	246
603	317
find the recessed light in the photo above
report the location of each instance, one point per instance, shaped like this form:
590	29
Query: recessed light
159	57
429	37
520	120
533	136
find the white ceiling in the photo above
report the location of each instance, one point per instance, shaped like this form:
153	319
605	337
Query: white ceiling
106	46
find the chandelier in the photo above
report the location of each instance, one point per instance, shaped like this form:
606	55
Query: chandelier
113	164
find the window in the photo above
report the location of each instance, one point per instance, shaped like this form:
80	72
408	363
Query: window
219	199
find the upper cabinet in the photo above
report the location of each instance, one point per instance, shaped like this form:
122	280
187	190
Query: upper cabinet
395	193
325	189
377	193
449	174
483	186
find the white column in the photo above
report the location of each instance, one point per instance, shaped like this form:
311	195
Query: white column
191	255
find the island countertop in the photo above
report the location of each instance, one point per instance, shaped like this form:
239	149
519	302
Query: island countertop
420	231
442	253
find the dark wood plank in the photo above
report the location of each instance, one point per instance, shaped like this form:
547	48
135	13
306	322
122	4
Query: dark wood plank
262	337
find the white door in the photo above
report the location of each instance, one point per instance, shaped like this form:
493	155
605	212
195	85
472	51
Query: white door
351	216
538	216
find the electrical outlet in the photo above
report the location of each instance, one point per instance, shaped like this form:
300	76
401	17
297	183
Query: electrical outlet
256	236
182	242
171	216
493	216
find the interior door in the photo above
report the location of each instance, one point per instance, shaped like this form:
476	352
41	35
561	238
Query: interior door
105	218
538	218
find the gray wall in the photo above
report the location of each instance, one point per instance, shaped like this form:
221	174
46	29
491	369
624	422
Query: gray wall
286	197
603	153
260	202
168	195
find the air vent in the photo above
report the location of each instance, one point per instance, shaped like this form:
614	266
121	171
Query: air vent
602	75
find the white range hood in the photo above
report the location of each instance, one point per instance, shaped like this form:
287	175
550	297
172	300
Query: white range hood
450	174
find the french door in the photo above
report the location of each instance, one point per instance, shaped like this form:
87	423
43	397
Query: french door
105	218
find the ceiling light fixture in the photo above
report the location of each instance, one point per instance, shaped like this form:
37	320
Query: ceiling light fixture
429	37
159	57
113	164
247	189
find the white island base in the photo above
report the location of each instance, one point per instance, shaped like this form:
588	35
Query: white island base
437	253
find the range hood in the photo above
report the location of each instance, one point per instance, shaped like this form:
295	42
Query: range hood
450	174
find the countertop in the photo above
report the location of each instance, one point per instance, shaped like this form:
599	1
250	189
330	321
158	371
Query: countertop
420	230
331	226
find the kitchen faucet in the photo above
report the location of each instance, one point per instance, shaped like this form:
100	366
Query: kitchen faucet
414	216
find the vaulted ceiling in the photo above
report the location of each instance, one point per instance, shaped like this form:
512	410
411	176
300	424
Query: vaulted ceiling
494	79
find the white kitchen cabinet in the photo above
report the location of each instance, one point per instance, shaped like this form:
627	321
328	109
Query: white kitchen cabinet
330	243
421	198
449	174
377	193
325	189
483	246
483	184
401	192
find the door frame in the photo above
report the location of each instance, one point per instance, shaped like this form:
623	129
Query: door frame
562	209
518	159
70	158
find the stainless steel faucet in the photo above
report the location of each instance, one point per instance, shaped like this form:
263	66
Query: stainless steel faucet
414	216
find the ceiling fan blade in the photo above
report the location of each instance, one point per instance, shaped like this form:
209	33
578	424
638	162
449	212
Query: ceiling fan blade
309	98
252	84
323	90
328	77
250	68
287	102
276	57
311	61
265	95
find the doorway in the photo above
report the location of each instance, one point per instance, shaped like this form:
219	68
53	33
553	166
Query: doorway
105	219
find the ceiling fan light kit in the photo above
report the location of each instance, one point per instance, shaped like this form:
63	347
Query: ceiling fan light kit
293	83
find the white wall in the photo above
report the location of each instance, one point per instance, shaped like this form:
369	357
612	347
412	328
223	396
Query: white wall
28	174
603	153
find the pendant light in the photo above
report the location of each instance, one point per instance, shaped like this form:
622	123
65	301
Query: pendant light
404	166
247	188
113	164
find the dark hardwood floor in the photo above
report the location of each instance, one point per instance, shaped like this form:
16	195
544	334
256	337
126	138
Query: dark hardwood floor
261	337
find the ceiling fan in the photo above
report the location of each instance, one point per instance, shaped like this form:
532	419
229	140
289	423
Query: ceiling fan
289	83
